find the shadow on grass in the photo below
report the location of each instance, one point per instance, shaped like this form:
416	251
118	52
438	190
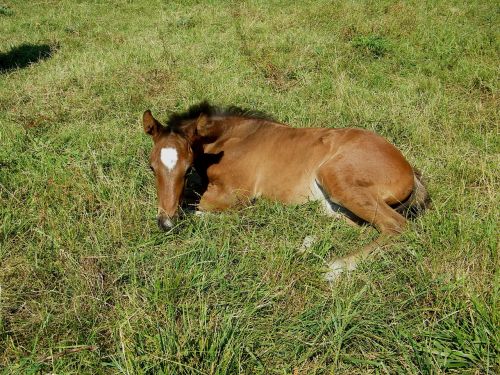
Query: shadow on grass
25	55
5	11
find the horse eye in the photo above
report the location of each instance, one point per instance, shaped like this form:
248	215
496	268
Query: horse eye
151	167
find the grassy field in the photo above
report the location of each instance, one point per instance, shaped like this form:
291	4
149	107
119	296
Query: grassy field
88	284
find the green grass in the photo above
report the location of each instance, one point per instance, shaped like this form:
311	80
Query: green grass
88	284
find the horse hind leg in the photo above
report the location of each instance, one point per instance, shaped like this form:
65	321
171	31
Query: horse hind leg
364	204
332	209
387	221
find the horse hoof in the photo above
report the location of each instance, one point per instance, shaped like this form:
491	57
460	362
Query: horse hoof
337	267
307	243
164	223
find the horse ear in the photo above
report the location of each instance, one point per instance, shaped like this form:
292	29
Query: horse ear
202	125
151	125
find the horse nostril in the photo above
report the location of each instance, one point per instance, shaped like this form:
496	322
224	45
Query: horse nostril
164	223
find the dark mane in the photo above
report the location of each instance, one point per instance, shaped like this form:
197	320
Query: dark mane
177	120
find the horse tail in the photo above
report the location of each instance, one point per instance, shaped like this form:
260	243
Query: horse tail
418	200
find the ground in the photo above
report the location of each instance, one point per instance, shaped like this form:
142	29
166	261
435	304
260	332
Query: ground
88	284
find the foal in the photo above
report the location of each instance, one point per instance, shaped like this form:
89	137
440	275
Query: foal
243	155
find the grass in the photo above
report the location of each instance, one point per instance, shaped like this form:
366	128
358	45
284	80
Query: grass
89	285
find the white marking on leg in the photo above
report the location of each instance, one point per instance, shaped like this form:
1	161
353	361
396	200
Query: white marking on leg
168	156
337	267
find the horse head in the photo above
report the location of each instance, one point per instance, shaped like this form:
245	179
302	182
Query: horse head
171	157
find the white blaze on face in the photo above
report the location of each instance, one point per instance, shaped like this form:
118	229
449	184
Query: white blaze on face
168	157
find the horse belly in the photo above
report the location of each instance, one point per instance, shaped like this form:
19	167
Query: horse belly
285	181
288	173
295	192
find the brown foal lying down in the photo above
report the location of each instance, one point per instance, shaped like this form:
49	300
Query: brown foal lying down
243	155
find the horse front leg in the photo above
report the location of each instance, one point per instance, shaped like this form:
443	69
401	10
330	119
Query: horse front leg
219	198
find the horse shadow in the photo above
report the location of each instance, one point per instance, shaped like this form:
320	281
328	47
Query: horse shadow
24	55
197	180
